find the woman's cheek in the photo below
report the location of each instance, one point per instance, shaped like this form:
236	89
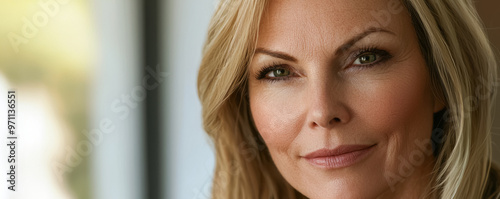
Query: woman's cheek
394	101
277	116
399	111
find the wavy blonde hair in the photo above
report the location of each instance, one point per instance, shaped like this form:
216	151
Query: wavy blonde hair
461	64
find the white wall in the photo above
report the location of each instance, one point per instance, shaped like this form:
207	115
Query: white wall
191	161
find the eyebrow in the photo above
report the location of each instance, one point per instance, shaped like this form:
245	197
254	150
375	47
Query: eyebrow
347	45
344	47
276	54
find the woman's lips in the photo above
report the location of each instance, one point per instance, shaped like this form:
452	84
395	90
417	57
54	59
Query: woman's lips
342	156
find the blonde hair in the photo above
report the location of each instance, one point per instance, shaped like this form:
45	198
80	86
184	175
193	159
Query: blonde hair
462	67
244	168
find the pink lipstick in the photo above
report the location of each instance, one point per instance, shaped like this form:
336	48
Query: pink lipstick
342	156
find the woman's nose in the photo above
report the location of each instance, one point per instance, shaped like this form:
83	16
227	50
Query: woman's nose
326	106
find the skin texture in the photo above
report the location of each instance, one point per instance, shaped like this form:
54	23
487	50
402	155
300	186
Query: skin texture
327	99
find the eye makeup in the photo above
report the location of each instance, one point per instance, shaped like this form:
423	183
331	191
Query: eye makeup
263	73
381	56
266	72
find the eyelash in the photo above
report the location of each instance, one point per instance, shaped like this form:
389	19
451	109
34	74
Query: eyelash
262	73
382	57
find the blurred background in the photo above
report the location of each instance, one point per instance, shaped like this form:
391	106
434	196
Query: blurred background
106	96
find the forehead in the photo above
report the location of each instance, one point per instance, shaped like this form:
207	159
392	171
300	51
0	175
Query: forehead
306	23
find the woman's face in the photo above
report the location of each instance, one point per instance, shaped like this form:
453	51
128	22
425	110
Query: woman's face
340	93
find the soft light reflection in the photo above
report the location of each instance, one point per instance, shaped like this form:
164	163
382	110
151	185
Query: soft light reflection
47	53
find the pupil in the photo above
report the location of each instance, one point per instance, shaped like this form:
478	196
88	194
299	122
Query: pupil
280	72
367	58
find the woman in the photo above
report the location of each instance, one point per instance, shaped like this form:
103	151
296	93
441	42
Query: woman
349	99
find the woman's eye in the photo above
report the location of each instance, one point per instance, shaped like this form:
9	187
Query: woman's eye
275	72
281	72
366	58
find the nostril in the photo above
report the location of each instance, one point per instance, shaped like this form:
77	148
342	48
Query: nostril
336	119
